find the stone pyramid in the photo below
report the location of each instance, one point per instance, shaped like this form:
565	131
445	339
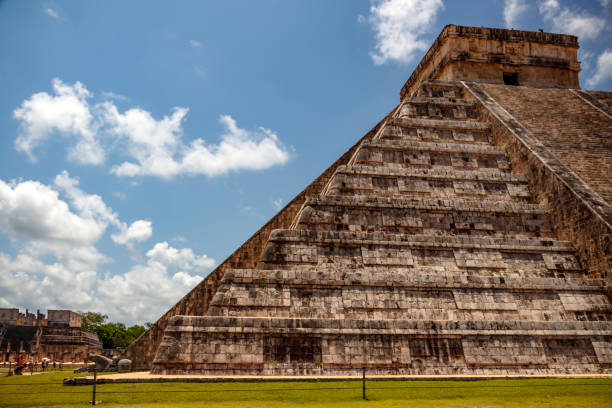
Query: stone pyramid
424	254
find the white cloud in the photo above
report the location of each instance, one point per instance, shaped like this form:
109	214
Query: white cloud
52	13
586	59
574	22
57	264
68	113
136	294
154	147
278	204
194	43
56	245
158	151
183	258
399	26
239	150
138	231
603	70
120	195
604	3
112	95
513	9
34	211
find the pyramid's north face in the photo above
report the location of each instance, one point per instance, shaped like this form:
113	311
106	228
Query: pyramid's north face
438	246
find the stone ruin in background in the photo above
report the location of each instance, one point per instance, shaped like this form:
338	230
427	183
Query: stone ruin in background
58	337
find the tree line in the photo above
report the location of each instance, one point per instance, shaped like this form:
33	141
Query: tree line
111	334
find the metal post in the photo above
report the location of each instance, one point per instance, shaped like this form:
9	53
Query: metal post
93	397
10	369
363	382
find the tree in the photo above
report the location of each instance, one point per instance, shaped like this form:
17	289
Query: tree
134	332
111	334
92	320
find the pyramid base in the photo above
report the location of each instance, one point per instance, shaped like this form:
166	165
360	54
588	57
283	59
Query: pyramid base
275	346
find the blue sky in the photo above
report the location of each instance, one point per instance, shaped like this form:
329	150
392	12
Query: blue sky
143	142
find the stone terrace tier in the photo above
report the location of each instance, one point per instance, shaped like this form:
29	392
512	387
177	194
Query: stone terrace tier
239	345
425	254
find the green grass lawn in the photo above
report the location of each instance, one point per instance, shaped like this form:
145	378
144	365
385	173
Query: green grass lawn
46	390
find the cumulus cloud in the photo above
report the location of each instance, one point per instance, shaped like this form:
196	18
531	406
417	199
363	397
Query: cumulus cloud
194	43
399	27
93	207
67	113
138	231
55	229
154	146
513	9
34	211
52	13
137	295
575	22
158	150
603	70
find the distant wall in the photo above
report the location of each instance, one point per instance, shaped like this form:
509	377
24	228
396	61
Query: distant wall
64	318
9	316
196	302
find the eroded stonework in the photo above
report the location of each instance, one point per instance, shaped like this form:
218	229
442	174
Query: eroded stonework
423	254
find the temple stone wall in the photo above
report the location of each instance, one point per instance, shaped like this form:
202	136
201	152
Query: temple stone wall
485	54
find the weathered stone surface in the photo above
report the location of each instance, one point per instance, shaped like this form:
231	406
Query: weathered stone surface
432	249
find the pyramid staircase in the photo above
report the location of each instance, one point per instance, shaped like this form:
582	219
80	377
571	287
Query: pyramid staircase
424	255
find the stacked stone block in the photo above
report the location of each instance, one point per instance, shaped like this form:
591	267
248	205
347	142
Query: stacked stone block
423	255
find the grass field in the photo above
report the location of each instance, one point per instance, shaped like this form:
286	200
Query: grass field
46	390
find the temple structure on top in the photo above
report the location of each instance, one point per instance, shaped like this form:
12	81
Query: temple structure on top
499	56
468	232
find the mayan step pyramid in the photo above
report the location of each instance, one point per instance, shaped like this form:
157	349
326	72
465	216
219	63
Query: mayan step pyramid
427	251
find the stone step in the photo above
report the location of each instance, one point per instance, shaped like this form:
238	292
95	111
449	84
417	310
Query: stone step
430	154
423	216
440	90
447	131
269	346
422	203
314	300
420	241
437	147
440	100
332	250
315	279
433	174
310	326
492	185
439	108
